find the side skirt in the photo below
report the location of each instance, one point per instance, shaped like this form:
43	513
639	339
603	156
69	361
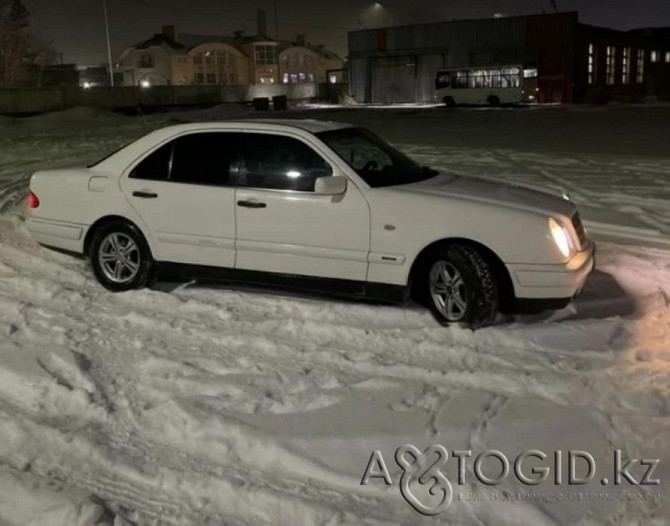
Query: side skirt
337	288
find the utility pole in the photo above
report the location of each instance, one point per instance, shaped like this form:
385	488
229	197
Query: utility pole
109	45
276	23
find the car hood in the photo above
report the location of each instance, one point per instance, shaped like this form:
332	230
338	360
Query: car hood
489	191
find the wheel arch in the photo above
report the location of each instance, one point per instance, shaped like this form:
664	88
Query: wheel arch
502	275
88	238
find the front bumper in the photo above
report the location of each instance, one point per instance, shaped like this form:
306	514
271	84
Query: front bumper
553	281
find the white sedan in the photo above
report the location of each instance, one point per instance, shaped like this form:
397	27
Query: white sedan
318	205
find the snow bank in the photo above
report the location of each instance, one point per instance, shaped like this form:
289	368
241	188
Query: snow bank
215	405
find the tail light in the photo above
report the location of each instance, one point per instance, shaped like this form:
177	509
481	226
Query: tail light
33	200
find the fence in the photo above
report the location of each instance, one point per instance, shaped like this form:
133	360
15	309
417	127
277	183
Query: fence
40	100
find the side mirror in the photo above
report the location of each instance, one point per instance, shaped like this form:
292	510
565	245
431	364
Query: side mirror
330	185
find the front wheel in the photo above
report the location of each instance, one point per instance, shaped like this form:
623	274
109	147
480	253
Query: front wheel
458	286
120	257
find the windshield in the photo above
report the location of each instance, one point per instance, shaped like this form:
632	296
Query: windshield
377	162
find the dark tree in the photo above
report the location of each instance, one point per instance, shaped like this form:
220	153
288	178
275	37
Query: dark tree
21	54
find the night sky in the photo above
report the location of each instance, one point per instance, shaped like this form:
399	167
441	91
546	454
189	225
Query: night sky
76	27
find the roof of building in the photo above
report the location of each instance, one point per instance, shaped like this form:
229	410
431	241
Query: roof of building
160	40
188	41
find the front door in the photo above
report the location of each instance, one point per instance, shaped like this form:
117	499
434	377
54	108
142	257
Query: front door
283	226
184	193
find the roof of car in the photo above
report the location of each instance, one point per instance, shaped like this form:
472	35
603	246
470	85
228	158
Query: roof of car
310	125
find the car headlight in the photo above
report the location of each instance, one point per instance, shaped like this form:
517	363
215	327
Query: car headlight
561	237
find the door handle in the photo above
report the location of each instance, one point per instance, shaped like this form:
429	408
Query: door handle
145	195
251	204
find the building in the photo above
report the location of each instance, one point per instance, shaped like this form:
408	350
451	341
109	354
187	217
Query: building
575	62
168	58
93	76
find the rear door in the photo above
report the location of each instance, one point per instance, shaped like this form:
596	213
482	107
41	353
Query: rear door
184	193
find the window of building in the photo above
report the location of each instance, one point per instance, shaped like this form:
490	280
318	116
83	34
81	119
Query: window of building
204	158
625	66
280	163
265	55
211	78
197	59
655	56
667	57
199	78
310	77
294	78
640	66
609	64
146	61
284	78
592	64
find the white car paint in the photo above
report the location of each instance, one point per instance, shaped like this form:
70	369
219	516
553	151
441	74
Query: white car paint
365	234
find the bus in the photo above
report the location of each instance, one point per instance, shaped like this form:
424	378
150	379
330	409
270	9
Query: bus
492	85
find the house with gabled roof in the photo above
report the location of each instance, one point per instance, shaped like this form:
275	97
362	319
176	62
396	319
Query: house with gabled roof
173	59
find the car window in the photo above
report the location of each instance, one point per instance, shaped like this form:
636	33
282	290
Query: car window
198	158
376	161
280	163
154	167
204	158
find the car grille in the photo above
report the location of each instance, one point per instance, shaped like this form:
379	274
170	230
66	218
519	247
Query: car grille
579	228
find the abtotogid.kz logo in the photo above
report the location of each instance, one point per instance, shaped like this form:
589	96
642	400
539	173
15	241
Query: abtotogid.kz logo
422	473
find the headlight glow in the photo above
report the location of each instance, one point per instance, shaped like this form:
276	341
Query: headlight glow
561	237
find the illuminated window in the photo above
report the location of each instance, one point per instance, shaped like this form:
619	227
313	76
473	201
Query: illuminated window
265	55
284	78
667	57
592	64
625	70
655	56
609	64
640	66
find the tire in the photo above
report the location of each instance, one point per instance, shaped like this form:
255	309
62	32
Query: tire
472	300
493	101
449	102
137	263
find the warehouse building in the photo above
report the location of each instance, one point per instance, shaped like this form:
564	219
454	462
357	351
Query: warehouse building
573	62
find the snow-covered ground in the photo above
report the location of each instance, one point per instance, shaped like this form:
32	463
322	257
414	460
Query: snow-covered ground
202	404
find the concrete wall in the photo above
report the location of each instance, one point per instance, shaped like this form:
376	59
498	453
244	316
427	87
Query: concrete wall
39	100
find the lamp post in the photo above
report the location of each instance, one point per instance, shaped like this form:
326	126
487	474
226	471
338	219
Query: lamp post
109	45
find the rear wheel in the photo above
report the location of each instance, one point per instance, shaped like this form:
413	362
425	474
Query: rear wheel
493	101
458	285
449	102
120	257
